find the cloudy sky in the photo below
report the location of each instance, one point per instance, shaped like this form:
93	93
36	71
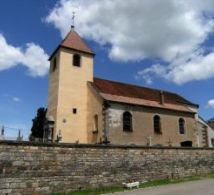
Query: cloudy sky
162	44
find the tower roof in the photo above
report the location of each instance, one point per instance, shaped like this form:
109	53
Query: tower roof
75	42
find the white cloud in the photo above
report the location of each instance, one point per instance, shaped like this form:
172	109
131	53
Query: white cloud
196	67
16	99
136	29
33	57
211	103
170	30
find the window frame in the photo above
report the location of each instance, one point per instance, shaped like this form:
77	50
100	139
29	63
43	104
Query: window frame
181	126
127	122
78	62
157	124
96	124
74	110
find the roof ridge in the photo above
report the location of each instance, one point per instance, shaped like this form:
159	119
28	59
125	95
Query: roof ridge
66	36
85	42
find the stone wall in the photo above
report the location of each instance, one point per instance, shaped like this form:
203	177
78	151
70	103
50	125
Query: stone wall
27	168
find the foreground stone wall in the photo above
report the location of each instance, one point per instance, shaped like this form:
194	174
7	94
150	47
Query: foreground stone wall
27	168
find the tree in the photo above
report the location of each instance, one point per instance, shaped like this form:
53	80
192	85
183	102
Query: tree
38	124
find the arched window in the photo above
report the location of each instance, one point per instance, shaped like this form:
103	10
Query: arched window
95	128
127	121
76	60
181	126
157	124
96	122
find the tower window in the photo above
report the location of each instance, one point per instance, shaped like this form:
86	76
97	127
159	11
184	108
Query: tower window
54	65
157	124
181	126
74	110
127	121
76	60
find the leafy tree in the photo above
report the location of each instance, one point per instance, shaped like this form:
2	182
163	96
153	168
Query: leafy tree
38	124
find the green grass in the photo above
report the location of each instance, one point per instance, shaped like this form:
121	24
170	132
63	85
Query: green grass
96	191
104	190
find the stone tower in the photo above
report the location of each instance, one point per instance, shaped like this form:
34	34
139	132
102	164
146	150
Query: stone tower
71	68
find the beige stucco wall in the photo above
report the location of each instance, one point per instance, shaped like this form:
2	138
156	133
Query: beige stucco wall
53	88
72	93
95	107
143	126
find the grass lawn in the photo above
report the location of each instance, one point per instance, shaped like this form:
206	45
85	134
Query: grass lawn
104	190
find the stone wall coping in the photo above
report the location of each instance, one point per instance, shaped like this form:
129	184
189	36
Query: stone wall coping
97	146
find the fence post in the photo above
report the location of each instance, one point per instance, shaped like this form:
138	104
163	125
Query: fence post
2	131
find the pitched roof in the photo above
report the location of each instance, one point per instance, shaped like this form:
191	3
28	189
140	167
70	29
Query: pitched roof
75	42
140	95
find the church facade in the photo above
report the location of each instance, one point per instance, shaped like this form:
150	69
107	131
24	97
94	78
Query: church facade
85	109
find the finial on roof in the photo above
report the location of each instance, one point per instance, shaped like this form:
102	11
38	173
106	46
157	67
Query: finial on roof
72	25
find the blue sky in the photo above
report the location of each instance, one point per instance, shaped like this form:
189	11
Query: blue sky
166	45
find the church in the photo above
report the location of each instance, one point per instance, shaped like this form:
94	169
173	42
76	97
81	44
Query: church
85	109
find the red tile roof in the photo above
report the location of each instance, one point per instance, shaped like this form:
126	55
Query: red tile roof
147	103
138	93
75	42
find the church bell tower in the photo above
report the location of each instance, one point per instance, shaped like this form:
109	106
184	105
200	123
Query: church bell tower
71	68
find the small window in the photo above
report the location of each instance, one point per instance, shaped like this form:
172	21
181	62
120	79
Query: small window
181	126
74	110
96	122
186	143
54	64
76	60
95	130
127	122
157	124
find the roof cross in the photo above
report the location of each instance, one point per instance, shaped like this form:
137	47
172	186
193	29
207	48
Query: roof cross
73	18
